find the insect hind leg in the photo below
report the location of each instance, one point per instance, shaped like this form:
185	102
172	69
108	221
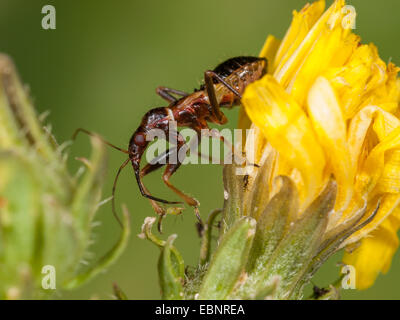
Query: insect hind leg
209	85
157	163
154	165
165	93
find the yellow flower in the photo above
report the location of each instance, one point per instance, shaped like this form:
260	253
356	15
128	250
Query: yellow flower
329	106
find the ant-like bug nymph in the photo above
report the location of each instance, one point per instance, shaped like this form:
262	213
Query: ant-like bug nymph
223	88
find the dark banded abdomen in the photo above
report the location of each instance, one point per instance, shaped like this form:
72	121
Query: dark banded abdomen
226	68
240	78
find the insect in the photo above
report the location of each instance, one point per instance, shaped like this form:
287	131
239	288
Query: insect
319	292
223	88
245	181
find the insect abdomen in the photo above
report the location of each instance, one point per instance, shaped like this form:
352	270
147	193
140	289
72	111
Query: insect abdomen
226	68
250	70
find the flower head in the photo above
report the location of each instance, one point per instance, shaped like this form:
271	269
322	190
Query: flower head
329	107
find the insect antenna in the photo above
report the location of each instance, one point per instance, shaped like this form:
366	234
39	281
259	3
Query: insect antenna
99	137
113	191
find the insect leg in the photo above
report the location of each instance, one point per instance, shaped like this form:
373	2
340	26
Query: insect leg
164	93
242	159
146	170
216	134
209	158
211	74
157	163
146	194
198	128
209	85
171	169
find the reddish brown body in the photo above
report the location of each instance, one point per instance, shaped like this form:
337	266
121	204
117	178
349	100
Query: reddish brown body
223	87
195	110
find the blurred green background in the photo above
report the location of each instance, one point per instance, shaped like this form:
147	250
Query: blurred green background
99	70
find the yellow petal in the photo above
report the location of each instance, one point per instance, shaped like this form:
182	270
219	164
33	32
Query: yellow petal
387	95
350	43
330	127
390	179
255	145
292	60
288	130
375	253
384	124
355	80
268	51
302	22
315	63
374	164
332	49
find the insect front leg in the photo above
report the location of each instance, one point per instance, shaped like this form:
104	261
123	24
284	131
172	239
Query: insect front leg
171	168
165	93
217	135
200	133
153	165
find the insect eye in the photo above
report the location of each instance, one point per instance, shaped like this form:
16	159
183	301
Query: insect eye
140	139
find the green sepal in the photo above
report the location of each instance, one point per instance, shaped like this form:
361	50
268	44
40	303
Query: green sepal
233	197
271	226
228	261
205	248
147	234
171	267
334	240
171	272
294	253
257	197
269	291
